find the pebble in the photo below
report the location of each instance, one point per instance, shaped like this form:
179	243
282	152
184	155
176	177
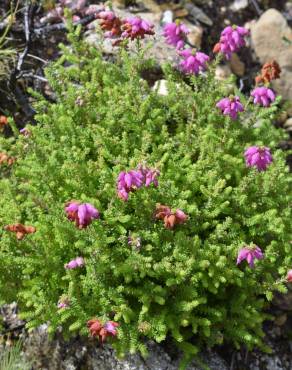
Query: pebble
237	66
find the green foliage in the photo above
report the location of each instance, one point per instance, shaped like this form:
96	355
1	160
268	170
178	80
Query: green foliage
11	359
182	283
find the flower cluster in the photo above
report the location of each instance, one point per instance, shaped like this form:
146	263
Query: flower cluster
73	264
193	61
110	23
263	96
102	331
250	253
230	106
20	230
289	276
134	179
136	28
175	33
231	40
81	213
258	157
170	218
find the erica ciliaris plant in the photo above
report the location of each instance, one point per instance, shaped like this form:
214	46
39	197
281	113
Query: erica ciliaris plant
129	215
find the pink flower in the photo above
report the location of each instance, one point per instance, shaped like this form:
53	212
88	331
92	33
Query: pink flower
175	34
128	182
82	213
263	96
289	276
149	175
230	106
110	22
111	327
249	254
77	262
231	40
258	157
193	62
134	179
136	27
96	329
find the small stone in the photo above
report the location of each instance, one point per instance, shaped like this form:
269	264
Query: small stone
288	125
167	17
222	72
196	14
195	35
181	13
236	65
160	87
238	5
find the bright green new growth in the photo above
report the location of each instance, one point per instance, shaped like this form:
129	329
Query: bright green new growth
182	282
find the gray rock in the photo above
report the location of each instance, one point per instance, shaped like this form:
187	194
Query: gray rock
269	38
197	15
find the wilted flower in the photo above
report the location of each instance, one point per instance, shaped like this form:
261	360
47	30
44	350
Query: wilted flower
289	276
3	121
231	40
259	157
270	71
82	213
136	27
263	96
73	264
249	254
102	331
193	61
6	159
110	22
170	218
230	106
175	34
20	230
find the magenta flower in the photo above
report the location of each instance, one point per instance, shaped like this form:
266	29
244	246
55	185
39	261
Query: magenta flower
259	157
136	27
111	328
149	175
83	214
249	254
289	276
128	182
77	262
175	34
193	62
230	106
263	96
231	40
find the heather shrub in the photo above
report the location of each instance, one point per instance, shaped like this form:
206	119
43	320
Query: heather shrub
155	271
